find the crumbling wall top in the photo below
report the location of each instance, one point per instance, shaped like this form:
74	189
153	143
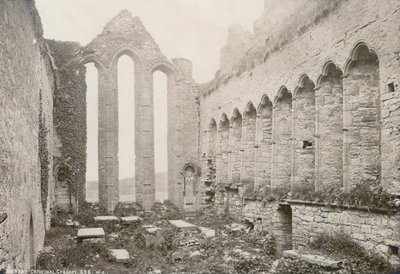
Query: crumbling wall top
277	26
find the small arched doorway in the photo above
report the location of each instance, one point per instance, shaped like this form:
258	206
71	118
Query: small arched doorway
64	196
190	186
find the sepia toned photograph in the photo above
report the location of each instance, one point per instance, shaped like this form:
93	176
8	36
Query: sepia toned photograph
200	136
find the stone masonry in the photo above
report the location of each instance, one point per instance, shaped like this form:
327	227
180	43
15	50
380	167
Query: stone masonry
308	101
126	35
334	98
323	78
26	133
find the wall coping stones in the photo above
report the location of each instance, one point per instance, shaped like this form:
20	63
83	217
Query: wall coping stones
355	208
315	259
392	243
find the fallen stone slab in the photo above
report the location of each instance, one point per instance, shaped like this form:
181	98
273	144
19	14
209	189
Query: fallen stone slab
153	230
194	253
106	218
183	225
129	219
392	243
314	259
207	232
89	233
93	240
121	255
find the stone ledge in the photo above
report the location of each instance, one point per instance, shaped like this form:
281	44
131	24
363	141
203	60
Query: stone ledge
392	243
355	208
314	259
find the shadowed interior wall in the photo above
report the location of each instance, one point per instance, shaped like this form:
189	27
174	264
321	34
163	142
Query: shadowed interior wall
303	133
329	103
362	119
282	140
235	138
249	141
264	142
224	148
27	84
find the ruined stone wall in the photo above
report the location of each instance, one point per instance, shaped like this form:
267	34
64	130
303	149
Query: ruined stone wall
126	35
26	134
333	82
374	231
360	40
276	220
183	145
299	224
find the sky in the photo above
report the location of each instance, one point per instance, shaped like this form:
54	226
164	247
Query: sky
193	29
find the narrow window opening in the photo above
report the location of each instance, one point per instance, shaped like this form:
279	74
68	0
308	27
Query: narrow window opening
160	98
307	144
92	172
391	87
126	128
394	250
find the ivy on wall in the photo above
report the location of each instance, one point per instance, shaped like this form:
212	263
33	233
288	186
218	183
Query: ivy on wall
70	116
43	156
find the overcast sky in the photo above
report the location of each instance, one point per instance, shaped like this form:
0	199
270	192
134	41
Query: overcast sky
193	29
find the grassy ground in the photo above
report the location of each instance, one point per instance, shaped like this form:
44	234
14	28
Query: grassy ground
171	251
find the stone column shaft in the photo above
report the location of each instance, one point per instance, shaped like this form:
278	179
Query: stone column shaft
144	138
108	140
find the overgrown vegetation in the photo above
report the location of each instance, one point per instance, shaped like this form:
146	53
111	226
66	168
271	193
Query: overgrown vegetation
365	194
43	155
69	114
170	250
74	257
60	216
357	258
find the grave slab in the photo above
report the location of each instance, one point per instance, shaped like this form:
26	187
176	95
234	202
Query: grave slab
183	225
153	230
207	232
131	219
105	218
121	255
87	233
93	240
315	259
